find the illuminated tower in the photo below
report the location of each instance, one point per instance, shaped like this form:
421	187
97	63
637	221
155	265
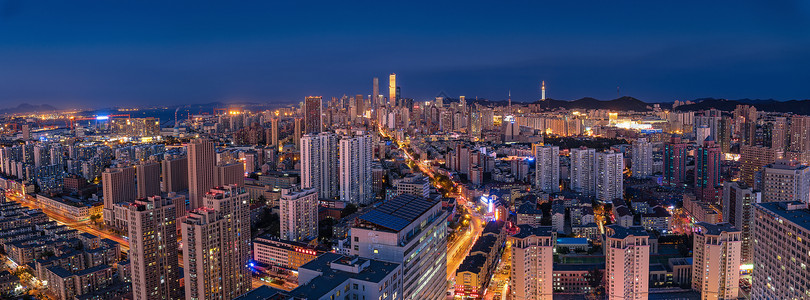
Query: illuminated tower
312	114
392	90
375	92
201	177
543	90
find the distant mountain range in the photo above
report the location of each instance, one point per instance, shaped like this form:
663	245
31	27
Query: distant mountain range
28	108
623	103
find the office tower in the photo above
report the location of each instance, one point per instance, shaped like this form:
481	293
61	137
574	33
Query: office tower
752	159
274	130
216	245
609	175
232	173
319	164
627	266
675	155
118	186
153	249
375	92
642	159
392	90
312	114
298	131
738	210
175	173
583	177
716	261
358	104
201	175
547	171
148	176
799	134
785	181
299	214
707	171
724	131
26	132
781	251
532	263
355	169
408	230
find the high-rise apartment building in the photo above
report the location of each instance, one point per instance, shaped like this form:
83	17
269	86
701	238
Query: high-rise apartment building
411	231
356	154
118	186
583	172
299	214
148	176
375	93
201	175
707	171
609	175
313	122
642	160
675	154
738	210
799	134
781	251
274	132
532	271
153	249
752	159
627	266
298	131
230	173
174	171
216	245
319	164
547	171
785	181
716	261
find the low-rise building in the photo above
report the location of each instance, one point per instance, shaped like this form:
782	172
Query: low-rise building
288	255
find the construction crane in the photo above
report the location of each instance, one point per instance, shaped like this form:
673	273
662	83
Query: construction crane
73	120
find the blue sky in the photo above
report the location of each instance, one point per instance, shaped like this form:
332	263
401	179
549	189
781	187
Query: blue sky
104	53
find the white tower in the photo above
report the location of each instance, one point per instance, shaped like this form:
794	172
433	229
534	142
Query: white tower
543	90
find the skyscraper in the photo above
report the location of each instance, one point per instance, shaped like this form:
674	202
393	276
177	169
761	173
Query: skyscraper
312	114
392	90
675	155
319	164
408	230
642	159
118	186
532	263
148	176
355	169
216	245
627	266
738	210
799	134
298	131
583	177
375	93
299	214
781	251
716	261
153	249
609	175
274	130
547	163
707	171
785	181
201	175
175	173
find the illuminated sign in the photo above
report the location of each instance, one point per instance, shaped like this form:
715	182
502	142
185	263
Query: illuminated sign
103	118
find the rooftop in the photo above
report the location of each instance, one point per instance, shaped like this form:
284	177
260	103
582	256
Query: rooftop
331	278
793	211
398	213
717	229
620	232
472	263
528	230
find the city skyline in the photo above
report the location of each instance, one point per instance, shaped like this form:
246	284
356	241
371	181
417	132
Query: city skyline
265	52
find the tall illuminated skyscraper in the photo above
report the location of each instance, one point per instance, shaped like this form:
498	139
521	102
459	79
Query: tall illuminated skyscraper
118	186
675	154
175	173
355	169
532	275
201	175
627	270
583	169
148	176
153	249
642	158
312	114
298	213
274	131
375	93
609	175
392	90
319	164
716	261
707	171
547	171
216	245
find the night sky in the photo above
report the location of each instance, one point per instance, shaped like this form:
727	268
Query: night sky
105	53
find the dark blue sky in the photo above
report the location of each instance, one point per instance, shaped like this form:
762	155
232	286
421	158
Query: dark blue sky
103	53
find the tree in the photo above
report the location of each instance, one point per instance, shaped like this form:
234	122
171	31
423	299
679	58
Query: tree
95	218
